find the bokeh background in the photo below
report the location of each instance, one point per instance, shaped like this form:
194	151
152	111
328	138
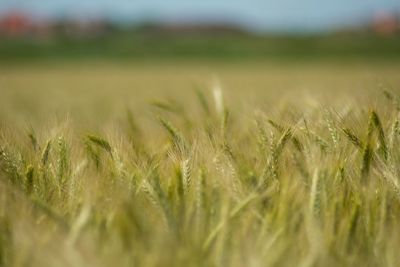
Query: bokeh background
89	61
156	29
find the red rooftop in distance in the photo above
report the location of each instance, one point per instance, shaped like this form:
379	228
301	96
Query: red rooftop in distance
15	24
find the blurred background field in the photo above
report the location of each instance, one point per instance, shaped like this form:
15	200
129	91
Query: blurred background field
224	31
224	46
92	93
127	53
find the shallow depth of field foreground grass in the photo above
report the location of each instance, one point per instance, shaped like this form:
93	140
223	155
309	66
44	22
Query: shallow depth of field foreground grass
269	166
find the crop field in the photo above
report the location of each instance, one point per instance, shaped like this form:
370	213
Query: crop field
200	164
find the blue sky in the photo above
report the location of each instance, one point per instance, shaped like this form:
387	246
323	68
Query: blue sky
255	14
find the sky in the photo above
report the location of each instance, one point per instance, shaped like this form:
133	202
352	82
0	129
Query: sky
258	15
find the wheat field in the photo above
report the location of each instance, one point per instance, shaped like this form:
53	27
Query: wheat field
200	164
